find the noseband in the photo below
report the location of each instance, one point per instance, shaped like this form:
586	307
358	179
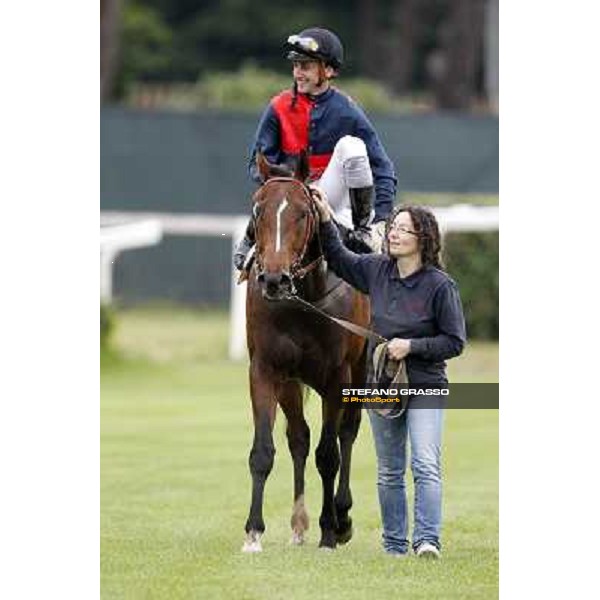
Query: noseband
297	270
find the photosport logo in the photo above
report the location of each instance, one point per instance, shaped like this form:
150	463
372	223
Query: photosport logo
454	395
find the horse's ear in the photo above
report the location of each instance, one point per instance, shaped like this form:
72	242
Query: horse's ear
303	168
264	167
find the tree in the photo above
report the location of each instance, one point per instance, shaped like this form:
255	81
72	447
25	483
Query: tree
368	37
492	52
453	67
110	32
405	19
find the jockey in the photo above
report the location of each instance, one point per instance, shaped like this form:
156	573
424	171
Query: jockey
346	157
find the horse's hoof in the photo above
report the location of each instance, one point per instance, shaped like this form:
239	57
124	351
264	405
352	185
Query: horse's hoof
328	540
252	543
344	533
343	537
326	549
297	538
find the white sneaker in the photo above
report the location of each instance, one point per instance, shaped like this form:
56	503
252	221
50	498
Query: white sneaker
427	550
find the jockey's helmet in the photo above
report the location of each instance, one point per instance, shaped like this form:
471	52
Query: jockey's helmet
316	43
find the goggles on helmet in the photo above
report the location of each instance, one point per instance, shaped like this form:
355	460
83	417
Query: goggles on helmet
307	44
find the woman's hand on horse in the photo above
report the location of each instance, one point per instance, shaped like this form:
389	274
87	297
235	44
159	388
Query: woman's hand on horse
320	199
398	348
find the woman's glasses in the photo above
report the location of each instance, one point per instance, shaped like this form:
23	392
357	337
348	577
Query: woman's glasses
402	229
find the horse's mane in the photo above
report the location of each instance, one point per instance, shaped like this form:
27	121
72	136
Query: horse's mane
281	170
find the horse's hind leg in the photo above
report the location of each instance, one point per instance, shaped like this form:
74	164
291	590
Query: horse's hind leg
298	436
343	499
262	454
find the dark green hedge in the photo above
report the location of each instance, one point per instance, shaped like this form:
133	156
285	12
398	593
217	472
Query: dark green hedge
472	261
107	324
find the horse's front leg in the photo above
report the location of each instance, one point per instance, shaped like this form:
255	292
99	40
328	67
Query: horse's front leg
328	463
298	436
262	454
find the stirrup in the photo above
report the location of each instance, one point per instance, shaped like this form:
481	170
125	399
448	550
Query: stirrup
245	270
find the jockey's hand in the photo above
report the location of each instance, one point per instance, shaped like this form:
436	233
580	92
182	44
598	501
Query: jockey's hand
320	199
398	348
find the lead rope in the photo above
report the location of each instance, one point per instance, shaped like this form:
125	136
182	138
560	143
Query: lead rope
398	374
394	369
348	325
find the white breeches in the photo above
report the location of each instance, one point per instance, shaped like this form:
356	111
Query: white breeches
348	168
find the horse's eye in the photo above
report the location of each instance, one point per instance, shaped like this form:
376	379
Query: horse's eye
302	215
256	211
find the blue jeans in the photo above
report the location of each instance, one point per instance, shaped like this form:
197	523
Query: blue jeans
424	427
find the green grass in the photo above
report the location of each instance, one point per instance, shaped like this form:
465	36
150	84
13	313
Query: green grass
176	430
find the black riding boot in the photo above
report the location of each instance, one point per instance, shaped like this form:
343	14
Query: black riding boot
360	239
242	249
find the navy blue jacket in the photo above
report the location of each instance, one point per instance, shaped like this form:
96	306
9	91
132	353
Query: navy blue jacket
424	307
316	124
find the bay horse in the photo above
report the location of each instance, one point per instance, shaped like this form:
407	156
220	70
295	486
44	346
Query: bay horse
290	347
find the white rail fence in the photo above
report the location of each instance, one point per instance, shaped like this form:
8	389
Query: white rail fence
125	230
117	238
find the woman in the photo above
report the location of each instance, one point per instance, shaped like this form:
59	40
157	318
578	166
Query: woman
416	305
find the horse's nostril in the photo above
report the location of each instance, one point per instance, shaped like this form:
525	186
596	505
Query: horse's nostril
275	284
272	279
286	280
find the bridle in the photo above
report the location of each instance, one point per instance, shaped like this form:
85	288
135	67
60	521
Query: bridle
297	270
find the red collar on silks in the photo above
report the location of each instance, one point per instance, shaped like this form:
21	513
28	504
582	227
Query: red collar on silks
390	373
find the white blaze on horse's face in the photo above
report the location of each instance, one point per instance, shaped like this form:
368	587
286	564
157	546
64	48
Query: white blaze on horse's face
281	208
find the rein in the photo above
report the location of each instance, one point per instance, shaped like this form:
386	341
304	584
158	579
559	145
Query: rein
348	325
